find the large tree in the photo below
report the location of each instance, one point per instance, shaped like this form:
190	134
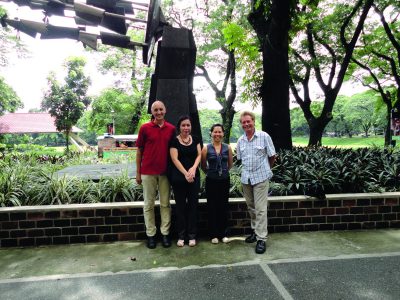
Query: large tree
271	20
67	102
323	51
378	54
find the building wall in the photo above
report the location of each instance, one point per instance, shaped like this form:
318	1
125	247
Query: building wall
108	222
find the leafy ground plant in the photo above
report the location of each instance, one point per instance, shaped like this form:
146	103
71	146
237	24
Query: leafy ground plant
29	179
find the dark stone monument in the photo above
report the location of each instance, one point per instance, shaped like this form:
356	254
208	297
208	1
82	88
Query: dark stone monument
172	81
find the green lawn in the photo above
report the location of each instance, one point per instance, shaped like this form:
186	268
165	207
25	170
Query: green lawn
344	142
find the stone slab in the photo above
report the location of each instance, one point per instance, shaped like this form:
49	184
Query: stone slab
95	172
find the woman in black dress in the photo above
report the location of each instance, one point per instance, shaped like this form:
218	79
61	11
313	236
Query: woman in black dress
185	152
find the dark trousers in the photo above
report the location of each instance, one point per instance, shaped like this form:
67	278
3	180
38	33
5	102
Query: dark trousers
217	191
186	202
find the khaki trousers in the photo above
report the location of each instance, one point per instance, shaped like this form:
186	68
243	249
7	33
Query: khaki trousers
257	203
151	185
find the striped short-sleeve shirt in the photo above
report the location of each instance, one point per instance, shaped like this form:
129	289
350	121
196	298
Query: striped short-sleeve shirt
254	155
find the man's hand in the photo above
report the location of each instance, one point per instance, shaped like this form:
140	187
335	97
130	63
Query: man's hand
138	178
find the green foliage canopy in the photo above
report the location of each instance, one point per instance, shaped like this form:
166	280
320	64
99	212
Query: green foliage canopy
120	103
9	100
67	102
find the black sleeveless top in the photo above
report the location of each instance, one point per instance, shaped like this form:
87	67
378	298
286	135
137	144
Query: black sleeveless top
186	155
217	162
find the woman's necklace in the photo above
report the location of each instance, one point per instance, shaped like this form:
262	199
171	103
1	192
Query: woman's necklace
187	142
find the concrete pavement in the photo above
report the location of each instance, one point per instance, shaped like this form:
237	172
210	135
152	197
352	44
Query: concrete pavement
307	265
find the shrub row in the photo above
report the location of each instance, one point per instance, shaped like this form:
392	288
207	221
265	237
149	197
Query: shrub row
29	179
319	171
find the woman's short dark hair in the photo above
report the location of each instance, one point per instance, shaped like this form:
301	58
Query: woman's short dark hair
180	120
217	125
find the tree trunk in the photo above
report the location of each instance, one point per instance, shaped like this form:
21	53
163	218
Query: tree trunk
272	32
67	142
275	89
138	112
227	114
395	105
228	111
317	127
366	130
141	103
315	136
388	132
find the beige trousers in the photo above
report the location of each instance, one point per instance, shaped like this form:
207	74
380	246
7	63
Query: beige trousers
151	185
257	203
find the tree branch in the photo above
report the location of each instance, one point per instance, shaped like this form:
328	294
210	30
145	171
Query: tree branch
208	79
333	58
232	95
315	63
374	77
258	20
349	47
347	22
392	63
388	31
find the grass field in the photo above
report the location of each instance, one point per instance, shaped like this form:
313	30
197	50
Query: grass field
344	142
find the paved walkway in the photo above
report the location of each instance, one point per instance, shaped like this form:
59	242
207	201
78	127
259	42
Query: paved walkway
309	265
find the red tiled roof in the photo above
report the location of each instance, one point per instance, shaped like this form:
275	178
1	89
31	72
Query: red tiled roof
29	123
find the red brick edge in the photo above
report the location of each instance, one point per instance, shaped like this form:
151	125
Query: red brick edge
108	222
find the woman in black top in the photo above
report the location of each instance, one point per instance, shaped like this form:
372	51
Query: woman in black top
216	161
185	152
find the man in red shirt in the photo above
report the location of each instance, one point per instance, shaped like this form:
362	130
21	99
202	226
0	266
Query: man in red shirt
151	171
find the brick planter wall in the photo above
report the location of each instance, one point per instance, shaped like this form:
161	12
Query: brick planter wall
107	222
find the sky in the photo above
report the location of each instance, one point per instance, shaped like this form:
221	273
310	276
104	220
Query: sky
28	77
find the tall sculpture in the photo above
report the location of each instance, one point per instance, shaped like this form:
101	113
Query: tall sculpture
172	81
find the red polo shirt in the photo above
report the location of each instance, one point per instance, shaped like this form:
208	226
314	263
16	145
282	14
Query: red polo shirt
154	143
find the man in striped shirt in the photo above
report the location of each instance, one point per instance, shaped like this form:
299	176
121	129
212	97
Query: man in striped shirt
257	153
